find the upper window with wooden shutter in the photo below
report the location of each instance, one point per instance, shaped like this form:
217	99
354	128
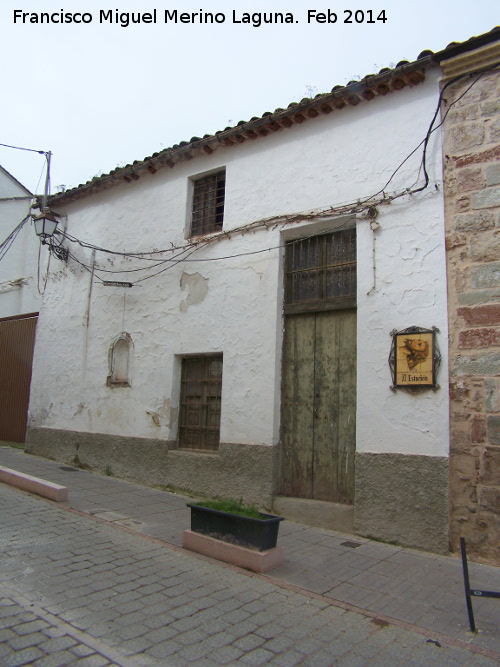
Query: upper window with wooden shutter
320	272
208	204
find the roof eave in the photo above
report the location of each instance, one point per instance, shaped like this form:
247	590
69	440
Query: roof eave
371	86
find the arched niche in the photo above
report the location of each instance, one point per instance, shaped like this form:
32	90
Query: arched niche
120	361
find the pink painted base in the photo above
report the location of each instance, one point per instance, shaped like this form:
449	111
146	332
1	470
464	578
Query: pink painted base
34	485
257	561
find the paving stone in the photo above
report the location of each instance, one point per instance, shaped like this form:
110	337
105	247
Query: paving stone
93	660
196	652
82	651
134	646
163	650
191	637
158	620
7	634
23	657
269	631
321	660
249	642
258	657
29	627
226	655
288	659
279	644
132	631
161	634
25	641
57	644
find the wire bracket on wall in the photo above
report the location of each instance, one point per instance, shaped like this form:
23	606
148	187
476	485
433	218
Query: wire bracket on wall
414	359
60	252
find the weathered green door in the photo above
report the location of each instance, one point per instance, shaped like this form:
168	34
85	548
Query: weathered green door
319	405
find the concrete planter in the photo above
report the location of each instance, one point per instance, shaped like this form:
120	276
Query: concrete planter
260	534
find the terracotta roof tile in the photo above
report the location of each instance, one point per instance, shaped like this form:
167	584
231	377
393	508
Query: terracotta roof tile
372	85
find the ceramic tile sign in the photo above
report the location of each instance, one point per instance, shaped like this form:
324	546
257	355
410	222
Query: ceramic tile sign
413	358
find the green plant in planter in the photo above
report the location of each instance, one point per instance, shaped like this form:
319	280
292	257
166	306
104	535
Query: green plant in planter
232	507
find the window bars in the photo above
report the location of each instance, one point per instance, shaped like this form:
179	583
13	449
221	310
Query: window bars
320	270
208	204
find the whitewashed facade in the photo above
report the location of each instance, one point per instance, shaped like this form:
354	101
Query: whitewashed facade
227	298
18	268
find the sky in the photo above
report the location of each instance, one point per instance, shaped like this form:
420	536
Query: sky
98	95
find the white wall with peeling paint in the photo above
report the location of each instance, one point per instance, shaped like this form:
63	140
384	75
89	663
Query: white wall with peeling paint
234	305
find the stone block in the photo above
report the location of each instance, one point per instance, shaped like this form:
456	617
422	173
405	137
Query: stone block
459	391
464	467
490	108
491	395
488	198
494	430
481	315
478	429
484	364
455	241
493	174
463	492
466	222
477	157
471	400
462	204
459	272
494	131
478	338
465	113
485	276
477	297
489	499
490	467
459	436
470	178
486	247
466	136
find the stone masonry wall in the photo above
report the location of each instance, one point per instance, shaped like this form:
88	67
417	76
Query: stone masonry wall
472	201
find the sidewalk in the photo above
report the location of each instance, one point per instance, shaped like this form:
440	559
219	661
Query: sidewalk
403	585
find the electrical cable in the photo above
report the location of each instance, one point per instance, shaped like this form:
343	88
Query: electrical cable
19	148
42	292
7	243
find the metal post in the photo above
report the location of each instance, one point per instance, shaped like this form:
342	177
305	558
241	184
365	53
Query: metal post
47	181
467	585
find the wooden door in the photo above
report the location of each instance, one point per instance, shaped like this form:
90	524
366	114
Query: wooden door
17	340
319	405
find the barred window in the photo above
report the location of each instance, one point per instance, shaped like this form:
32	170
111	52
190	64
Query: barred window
321	272
201	387
208	204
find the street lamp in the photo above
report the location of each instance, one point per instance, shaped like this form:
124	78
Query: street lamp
45	225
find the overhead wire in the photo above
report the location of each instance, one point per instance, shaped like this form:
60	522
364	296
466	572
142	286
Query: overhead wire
7	243
19	148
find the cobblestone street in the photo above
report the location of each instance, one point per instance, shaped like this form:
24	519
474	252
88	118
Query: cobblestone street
75	590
